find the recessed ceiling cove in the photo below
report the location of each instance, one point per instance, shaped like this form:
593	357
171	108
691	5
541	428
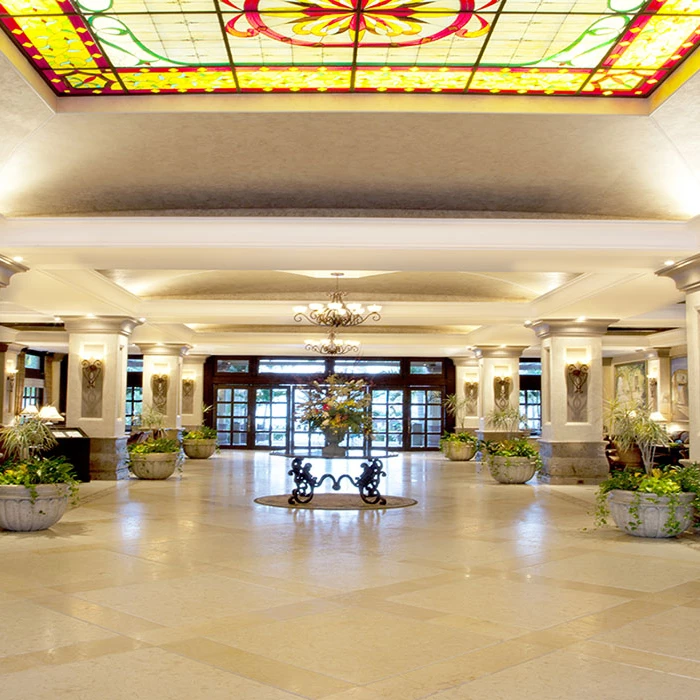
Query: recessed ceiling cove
510	47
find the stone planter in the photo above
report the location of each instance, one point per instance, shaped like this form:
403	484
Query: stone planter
20	514
156	465
653	513
332	447
459	451
199	449
512	470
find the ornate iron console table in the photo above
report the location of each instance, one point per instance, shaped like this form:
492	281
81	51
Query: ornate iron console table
367	483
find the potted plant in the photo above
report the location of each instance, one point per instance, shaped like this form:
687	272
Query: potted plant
34	490
658	503
200	443
337	406
513	460
152	455
508	420
459	446
653	502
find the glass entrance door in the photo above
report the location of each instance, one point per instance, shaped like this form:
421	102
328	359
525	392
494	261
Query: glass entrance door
426	418
387	418
232	415
271	417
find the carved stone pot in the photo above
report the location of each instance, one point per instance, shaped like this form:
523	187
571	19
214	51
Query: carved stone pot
156	465
19	513
512	470
333	440
199	449
459	451
649	515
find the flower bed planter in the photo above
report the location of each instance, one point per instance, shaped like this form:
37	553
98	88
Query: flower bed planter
156	465
20	513
649	515
199	449
459	451
512	470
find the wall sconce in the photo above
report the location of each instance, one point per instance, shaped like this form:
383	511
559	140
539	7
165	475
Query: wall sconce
92	371
188	395
577	373
502	386
159	388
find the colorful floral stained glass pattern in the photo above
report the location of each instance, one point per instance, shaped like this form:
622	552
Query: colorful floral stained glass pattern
578	48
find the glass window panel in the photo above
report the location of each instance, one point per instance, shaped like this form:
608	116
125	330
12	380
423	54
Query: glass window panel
417	411
379	440
433	426
435	397
223	395
240	395
379	411
395	411
32	361
232	366
239	409
379	426
294	366
396	396
426	367
239	439
395	426
224	438
262	395
134	364
222	424
262	424
395	440
434	411
278	424
417	396
432	440
367	366
417	441
262	439
223	409
240	425
379	395
530	368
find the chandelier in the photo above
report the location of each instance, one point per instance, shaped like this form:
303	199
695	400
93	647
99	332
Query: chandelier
336	313
332	345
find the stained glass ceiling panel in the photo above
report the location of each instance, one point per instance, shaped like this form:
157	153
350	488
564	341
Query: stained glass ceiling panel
527	47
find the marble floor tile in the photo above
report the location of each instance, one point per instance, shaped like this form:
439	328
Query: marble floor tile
187	589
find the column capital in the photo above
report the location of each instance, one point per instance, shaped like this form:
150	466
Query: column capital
465	361
11	347
9	267
195	359
686	274
497	351
592	327
122	325
663	352
164	349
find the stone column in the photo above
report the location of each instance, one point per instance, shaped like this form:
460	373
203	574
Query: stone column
659	371
193	390
162	380
467	392
499	385
96	400
8	380
572	446
686	275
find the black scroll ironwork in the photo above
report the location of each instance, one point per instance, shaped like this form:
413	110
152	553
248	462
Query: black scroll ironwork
367	483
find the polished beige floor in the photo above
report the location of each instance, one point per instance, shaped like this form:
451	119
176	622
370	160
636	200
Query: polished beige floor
186	589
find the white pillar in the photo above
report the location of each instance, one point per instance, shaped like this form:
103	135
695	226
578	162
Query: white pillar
193	390
162	380
98	349
8	383
499	384
571	446
686	275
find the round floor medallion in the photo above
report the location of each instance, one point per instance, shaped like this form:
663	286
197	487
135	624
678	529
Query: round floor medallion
335	501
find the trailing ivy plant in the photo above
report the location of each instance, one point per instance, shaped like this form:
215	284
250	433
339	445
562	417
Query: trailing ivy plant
35	471
513	447
203	432
459	437
659	482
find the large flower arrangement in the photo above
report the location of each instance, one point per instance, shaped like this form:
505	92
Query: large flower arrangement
338	405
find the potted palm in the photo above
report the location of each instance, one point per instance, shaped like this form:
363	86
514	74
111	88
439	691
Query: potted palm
153	455
34	490
653	502
513	460
459	446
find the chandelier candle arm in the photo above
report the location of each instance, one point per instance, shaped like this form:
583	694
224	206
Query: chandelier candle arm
336	313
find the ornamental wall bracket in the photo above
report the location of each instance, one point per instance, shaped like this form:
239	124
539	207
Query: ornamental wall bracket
159	389
471	397
8	268
502	387
577	392
92	382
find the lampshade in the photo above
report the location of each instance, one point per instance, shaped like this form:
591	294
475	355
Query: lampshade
50	414
30	410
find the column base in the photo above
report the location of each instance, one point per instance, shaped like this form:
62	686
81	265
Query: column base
108	459
573	462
